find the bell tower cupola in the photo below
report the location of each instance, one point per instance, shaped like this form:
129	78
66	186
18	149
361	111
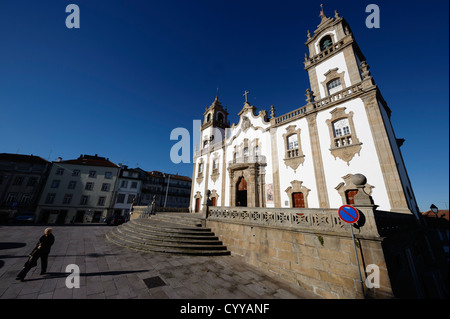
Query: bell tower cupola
215	122
334	59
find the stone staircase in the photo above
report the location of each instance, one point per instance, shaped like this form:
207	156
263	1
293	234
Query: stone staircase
174	233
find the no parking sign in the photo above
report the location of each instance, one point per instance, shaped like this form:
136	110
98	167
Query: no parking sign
348	214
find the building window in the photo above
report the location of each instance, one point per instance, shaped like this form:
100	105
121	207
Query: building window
67	199
76	172
84	200
18	180
133	185
208	118
121	198
101	201
344	142
11	197
105	187
50	198
124	184
292	142
130	198
92	174
55	183
334	86
205	144
200	168
60	171
108	175
72	185
25	198
89	186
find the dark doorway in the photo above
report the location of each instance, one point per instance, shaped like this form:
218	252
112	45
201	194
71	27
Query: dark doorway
79	216
241	192
350	196
61	217
213	201
44	216
298	200
96	217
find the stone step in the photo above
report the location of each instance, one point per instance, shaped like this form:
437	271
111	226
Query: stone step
183	250
169	237
175	233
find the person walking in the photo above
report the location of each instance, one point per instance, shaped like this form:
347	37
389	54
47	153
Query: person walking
42	250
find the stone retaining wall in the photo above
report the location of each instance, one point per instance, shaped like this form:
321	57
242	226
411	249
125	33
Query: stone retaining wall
317	255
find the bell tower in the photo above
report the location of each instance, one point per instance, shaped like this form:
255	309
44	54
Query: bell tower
343	88
214	124
334	58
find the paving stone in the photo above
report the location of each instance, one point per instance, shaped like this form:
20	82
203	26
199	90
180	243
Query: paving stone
112	272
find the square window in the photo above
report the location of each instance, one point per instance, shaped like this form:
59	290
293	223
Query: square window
84	200
50	198
67	199
60	171
101	201
72	185
55	183
89	186
76	172
108	175
105	187
92	174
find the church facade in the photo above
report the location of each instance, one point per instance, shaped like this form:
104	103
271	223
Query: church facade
307	157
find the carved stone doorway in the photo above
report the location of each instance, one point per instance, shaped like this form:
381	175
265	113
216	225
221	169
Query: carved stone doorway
241	192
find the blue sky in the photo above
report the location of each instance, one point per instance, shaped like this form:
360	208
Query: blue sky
136	70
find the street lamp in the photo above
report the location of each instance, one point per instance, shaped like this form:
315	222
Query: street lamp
434	209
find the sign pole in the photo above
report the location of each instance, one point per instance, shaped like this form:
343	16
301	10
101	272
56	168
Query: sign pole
357	262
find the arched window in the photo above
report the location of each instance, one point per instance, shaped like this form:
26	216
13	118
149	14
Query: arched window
208	118
220	118
325	43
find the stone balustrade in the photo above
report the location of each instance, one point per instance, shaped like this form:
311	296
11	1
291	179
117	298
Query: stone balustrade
313	219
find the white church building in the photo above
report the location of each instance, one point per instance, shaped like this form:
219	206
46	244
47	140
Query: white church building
306	158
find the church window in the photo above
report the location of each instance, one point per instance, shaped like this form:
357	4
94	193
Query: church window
220	118
293	149
256	150
334	86
205	144
344	142
292	142
245	151
208	118
200	168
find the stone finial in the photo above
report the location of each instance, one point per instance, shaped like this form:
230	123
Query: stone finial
336	14
309	96
272	111
359	180
308	35
365	70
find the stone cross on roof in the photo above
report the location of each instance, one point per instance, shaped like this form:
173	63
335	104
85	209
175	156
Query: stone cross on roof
245	94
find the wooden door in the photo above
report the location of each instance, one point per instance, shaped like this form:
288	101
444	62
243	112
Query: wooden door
298	200
197	205
213	201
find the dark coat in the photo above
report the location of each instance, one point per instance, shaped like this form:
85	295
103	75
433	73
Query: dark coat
46	244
